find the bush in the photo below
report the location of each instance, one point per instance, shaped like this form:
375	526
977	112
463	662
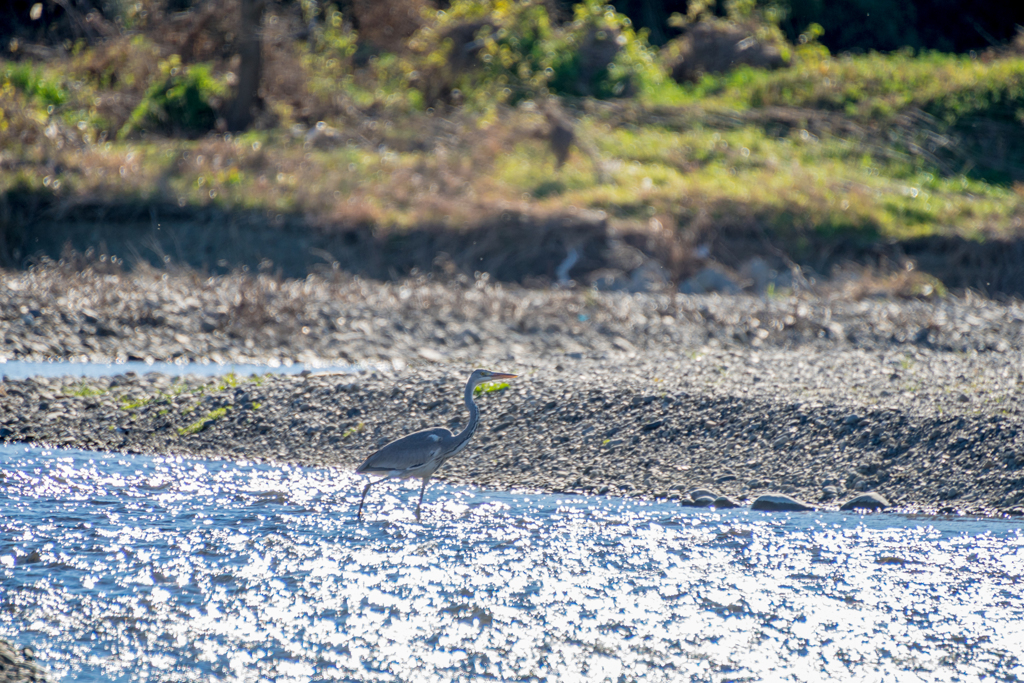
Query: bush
748	36
185	100
507	52
30	81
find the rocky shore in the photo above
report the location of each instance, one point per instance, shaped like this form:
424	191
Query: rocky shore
820	395
20	665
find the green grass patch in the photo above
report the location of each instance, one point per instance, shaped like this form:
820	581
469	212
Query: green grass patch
135	404
201	424
490	388
351	431
869	87
35	84
83	390
228	381
799	183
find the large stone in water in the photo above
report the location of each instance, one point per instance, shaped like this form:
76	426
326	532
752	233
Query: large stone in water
867	501
777	502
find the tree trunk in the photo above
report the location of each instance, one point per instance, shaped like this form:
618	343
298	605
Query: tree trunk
250	65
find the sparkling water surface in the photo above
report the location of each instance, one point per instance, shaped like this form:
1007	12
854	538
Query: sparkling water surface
131	568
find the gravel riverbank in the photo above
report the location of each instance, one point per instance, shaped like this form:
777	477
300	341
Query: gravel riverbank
817	395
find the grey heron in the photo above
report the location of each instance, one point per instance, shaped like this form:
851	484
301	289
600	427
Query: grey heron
421	453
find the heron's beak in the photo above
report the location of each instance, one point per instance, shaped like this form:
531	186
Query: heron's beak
501	375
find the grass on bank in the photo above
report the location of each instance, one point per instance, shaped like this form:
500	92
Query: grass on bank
874	87
131	404
83	390
201	424
667	154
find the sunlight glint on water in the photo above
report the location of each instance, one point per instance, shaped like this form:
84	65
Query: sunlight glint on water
136	568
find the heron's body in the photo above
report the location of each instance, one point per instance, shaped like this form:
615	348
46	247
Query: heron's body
420	454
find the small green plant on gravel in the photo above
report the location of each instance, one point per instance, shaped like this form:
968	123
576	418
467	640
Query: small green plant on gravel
134	404
202	422
202	389
357	429
83	390
490	387
256	405
229	380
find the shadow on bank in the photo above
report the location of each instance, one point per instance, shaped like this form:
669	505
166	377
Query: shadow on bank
511	246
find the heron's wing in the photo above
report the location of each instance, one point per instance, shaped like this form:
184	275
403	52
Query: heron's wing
408	452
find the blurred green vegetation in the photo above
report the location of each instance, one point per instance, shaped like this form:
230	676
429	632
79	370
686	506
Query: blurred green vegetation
29	80
183	101
872	87
456	127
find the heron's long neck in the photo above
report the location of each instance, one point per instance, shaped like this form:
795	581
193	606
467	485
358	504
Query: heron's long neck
474	417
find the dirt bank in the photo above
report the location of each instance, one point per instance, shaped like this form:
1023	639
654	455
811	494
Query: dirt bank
515	245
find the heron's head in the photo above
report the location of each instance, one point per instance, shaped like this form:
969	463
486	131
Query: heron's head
479	376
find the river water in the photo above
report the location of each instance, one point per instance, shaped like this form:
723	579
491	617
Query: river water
131	568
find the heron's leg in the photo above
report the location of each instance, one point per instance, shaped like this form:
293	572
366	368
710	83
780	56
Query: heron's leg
422	489
359	515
